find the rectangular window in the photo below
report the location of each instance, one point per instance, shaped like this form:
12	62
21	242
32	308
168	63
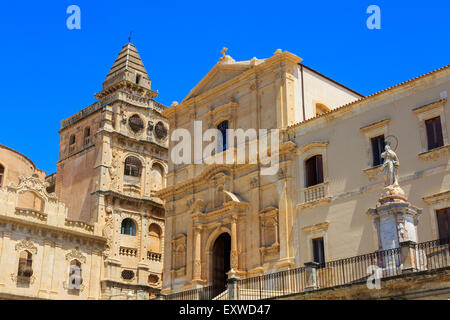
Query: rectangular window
443	219
318	251
377	149
434	133
314	171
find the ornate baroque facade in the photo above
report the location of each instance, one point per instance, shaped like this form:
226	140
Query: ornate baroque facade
101	214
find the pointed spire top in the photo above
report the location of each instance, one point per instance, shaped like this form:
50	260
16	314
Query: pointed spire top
129	37
127	67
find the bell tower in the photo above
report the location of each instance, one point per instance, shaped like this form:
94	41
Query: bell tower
119	168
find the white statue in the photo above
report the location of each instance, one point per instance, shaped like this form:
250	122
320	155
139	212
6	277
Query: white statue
390	166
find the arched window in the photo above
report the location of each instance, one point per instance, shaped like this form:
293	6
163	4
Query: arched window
133	167
72	143
321	109
223	127
25	264
2	173
128	227
314	171
157	177
87	135
75	277
72	140
154	234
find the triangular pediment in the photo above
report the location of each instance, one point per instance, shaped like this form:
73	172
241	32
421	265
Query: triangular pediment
221	73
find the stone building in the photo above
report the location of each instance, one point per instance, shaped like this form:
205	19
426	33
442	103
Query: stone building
321	205
112	160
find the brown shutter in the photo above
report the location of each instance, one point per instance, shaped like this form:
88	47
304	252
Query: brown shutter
319	169
430	133
439	137
443	218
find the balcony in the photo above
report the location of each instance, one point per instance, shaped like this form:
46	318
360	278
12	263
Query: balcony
314	195
71	149
154	256
128	252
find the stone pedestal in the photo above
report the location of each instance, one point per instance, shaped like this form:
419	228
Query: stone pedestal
395	218
311	276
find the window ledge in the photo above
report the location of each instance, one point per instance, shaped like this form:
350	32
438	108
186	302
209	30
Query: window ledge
435	153
372	172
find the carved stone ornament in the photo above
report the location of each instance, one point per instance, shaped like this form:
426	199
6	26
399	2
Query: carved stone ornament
113	170
108	232
76	254
26	245
160	131
34	184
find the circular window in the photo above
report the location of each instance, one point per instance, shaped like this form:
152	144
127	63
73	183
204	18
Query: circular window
160	130
153	278
136	123
127	274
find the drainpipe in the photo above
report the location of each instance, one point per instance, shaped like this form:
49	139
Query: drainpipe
303	93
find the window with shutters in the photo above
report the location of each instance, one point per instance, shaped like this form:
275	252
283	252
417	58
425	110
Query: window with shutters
314	170
318	251
443	220
377	149
434	133
432	129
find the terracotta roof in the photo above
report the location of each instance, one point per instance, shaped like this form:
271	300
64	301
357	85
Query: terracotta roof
348	105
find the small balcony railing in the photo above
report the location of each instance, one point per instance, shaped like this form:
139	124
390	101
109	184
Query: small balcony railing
314	193
71	149
154	256
129	252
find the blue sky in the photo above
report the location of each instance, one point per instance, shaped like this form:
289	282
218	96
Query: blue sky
50	72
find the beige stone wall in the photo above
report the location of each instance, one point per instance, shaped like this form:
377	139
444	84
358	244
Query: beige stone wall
352	185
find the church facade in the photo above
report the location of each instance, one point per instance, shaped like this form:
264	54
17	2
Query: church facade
229	220
94	229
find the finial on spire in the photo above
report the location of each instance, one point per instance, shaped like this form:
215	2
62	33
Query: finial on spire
129	37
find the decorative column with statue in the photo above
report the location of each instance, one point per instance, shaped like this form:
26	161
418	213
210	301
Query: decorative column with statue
394	217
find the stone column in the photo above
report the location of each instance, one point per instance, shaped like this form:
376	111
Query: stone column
6	259
311	276
408	256
234	263
233	285
47	269
197	254
395	218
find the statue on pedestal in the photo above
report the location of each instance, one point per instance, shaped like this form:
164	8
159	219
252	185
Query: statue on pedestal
390	166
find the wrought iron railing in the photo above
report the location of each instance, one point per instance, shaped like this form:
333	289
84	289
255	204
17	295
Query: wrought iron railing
429	255
205	293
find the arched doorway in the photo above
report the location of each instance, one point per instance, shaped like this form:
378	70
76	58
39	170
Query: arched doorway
220	263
